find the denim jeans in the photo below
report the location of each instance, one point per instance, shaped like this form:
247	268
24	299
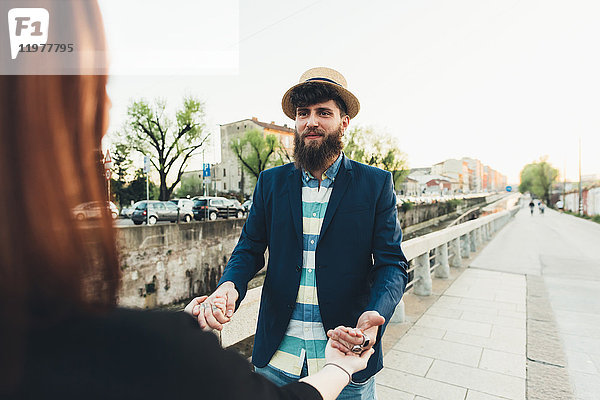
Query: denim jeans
354	391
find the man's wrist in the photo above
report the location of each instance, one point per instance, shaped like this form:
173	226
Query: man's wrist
228	284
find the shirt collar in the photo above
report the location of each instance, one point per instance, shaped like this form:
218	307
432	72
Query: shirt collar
330	173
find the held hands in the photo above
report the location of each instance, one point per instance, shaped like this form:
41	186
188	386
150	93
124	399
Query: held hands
344	338
215	310
349	361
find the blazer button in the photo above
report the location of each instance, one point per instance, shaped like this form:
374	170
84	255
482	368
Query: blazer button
298	268
290	306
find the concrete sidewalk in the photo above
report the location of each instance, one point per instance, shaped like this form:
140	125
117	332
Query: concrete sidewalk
523	321
470	344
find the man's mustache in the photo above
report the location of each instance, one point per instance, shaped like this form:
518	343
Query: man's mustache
320	132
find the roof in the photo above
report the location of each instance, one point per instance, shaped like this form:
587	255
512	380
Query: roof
265	125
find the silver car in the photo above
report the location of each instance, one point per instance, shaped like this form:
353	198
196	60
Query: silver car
185	209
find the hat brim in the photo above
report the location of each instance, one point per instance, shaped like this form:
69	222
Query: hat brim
352	103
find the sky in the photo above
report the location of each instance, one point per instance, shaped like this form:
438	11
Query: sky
504	81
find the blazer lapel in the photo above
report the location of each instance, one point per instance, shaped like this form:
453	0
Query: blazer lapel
340	185
295	195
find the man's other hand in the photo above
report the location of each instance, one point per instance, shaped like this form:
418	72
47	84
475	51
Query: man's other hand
347	338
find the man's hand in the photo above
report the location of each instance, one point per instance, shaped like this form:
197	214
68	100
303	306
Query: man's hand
215	310
345	338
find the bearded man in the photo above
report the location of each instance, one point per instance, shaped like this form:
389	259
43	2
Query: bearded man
331	227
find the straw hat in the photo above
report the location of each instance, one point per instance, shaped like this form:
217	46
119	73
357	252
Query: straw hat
329	77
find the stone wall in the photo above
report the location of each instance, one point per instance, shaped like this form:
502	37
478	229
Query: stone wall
423	212
163	264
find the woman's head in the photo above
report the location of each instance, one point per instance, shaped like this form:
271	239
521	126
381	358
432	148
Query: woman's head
51	129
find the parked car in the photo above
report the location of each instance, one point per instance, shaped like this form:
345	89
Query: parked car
93	210
247	205
127	211
203	210
154	211
225	208
186	206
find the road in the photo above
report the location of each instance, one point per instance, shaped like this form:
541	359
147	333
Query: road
563	253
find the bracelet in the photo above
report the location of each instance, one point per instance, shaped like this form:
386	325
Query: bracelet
343	369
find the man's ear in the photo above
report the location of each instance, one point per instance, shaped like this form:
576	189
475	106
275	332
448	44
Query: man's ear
345	123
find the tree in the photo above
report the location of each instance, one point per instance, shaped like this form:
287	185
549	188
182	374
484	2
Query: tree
121	166
169	145
377	149
191	185
537	178
254	151
281	155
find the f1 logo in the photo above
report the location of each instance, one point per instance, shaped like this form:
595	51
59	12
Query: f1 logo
27	26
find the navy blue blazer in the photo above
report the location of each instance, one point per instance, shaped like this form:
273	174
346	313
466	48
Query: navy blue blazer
359	263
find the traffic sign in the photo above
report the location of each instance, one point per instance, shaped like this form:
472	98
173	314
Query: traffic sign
509	188
108	174
206	170
107	160
146	164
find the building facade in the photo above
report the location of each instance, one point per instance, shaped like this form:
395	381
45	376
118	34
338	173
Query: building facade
229	176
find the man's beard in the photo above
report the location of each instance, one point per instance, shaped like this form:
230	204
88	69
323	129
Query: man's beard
314	156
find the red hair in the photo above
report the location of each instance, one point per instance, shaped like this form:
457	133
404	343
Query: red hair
52	267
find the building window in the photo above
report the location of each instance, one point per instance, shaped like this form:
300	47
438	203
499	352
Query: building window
224	172
239	184
224	185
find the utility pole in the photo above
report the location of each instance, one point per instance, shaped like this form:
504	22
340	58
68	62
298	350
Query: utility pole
564	199
580	194
203	184
147	171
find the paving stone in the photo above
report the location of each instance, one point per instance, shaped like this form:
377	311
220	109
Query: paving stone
587	386
582	344
581	362
444	312
513	314
467	307
478	379
497	305
547	382
440	349
475	395
511	296
428	332
448	300
503	362
471	292
547	375
420	386
509	344
453	325
493	319
407	362
388	393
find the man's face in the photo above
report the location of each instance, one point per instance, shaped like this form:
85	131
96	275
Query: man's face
318	138
317	121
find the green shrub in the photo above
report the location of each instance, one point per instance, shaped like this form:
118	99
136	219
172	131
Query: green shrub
407	205
454	203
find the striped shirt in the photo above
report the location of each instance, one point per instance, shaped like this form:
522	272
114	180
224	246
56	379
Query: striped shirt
305	336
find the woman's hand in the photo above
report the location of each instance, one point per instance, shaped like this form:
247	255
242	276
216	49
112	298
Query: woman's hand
351	362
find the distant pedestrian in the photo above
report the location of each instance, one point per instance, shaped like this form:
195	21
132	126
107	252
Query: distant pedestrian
542	207
531	206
